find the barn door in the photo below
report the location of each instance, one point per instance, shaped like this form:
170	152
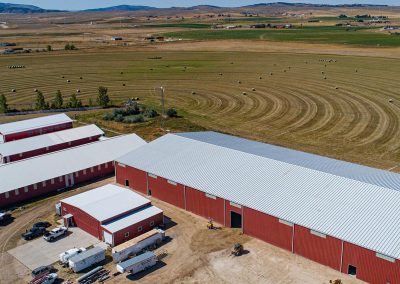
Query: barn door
69	180
108	238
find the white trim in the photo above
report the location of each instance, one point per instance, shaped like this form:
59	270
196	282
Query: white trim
52	181
171	182
290	224
151	224
26	189
318	234
210	196
43	183
35	186
126	235
152	176
99	167
7	194
17	191
235	204
121	165
139	229
385	257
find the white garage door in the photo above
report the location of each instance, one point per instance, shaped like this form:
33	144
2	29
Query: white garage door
108	238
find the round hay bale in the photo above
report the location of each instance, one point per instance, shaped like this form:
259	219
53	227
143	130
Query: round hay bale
78	90
324	78
35	90
260	78
240	82
244	94
122	73
253	89
356	70
137	99
13	90
193	93
124	84
336	88
391	100
81	78
231	62
220	74
271	73
63	77
68	81
322	72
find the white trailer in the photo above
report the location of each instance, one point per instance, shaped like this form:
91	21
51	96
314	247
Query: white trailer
65	256
136	245
86	259
138	263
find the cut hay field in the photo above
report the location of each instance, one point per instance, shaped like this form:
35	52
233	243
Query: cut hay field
347	115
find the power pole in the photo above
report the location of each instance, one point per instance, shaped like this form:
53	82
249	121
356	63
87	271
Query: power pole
162	108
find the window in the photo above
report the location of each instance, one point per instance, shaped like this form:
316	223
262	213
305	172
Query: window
77	174
84	172
99	167
318	234
52	181
106	165
171	182
7	195
126	182
385	257
17	191
211	196
90	138
60	178
47	148
127	235
91	170
35	186
235	205
152	176
20	155
286	222
44	184
139	229
69	143
352	270
151	223
26	189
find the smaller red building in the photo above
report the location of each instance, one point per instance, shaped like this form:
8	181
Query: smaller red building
33	127
47	143
111	213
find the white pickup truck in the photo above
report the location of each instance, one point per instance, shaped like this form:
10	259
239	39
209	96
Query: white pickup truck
55	233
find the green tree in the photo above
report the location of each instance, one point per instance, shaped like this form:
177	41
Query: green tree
171	112
74	102
49	48
103	99
67	47
91	102
72	46
3	104
58	100
40	101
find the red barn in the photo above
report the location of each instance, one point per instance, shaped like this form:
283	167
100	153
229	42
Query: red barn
26	179
339	214
47	143
111	213
33	127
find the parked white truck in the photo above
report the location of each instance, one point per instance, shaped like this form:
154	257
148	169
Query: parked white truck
66	255
136	245
138	263
86	259
55	233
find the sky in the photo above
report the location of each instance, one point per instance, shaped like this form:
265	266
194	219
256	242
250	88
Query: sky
86	4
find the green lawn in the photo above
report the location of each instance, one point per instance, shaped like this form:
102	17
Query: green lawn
324	34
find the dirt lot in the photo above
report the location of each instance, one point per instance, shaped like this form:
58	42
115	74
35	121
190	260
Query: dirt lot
193	253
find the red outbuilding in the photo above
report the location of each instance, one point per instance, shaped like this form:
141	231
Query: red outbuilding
33	127
339	214
37	176
47	143
111	213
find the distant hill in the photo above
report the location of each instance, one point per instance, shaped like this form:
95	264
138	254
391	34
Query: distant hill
22	9
121	8
259	5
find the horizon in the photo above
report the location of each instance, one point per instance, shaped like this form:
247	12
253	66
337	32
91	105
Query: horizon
73	5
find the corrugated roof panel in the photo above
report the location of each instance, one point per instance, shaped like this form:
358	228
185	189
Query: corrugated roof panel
349	209
50	139
107	201
34	123
30	171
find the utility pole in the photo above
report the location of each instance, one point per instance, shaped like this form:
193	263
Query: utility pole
162	108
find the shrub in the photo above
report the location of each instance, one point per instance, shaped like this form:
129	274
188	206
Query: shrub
134	119
119	118
171	112
150	112
108	116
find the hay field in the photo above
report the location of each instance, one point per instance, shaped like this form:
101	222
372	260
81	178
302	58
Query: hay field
347	115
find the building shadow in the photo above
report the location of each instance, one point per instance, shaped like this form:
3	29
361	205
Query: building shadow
140	275
168	223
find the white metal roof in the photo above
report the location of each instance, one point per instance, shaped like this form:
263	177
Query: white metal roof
107	201
30	171
358	212
34	123
131	219
50	139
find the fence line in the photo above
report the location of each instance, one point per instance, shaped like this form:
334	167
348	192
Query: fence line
49	111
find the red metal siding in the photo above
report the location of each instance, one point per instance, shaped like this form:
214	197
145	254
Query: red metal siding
326	251
83	220
58	147
228	209
267	228
162	189
119	237
136	178
37	131
198	203
370	268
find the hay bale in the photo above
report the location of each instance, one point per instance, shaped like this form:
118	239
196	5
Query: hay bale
35	90
244	94
68	81
13	90
193	93
62	77
123	84
78	90
81	78
271	73
220	74
240	82
391	100
260	78
122	73
137	98
336	88
253	89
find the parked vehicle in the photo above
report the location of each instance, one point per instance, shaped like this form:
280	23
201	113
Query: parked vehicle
43	224
33	233
4	218
86	259
65	256
138	263
42	270
55	233
136	245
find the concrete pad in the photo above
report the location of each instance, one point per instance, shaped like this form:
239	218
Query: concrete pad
40	252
